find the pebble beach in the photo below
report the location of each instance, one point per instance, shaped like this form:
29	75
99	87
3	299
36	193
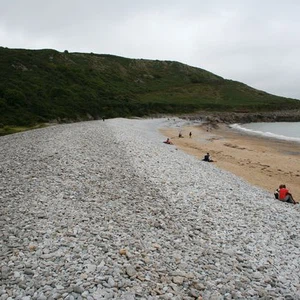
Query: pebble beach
105	210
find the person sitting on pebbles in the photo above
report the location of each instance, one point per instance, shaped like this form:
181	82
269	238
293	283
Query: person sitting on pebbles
207	158
284	195
168	141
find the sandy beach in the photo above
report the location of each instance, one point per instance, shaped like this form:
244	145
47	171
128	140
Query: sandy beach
263	162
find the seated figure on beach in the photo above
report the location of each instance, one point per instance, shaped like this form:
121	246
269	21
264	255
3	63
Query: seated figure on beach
284	194
168	141
207	157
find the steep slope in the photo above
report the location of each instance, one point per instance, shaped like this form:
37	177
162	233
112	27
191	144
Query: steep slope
41	85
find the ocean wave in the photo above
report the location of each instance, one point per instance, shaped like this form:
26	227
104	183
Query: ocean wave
265	134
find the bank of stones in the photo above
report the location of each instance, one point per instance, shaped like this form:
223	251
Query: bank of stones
103	210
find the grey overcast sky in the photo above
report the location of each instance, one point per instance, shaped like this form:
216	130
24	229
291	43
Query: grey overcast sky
255	42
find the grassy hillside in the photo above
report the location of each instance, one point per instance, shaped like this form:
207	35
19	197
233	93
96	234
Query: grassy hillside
41	85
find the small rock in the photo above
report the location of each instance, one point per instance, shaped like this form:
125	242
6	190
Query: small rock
123	251
85	294
32	247
129	296
216	296
111	282
178	279
130	270
17	274
91	268
198	286
59	287
28	272
78	289
194	293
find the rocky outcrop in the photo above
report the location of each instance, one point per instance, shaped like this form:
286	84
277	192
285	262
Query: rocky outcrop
245	117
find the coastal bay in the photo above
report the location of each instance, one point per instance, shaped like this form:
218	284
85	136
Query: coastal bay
264	162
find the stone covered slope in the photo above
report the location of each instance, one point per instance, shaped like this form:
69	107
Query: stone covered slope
102	210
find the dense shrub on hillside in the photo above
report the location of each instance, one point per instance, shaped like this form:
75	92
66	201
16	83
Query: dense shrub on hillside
42	85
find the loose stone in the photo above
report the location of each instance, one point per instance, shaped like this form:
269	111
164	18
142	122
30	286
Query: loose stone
105	210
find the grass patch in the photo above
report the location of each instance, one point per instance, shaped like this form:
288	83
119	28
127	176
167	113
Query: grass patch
5	130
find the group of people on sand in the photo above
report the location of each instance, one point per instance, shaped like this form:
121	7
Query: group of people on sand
283	194
180	135
206	157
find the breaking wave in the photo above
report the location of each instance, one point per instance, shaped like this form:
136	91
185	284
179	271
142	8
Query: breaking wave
265	134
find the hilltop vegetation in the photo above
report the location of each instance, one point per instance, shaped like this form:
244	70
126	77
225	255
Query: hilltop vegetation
41	85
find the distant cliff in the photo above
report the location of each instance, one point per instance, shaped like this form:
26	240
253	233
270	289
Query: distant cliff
247	117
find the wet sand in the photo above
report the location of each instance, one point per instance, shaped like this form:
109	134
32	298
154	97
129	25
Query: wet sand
261	161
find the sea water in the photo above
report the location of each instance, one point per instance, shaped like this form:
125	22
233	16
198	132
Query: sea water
289	131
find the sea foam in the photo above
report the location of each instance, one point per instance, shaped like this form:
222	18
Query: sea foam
264	134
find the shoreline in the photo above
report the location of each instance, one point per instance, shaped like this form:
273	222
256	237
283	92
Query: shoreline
263	162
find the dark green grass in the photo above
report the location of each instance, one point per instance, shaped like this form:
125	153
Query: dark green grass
41	85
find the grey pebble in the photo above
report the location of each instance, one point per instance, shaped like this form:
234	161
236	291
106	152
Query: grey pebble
105	210
78	289
130	270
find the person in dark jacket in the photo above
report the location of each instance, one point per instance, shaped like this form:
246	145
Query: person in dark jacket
207	158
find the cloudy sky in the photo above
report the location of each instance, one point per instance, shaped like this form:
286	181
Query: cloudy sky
255	42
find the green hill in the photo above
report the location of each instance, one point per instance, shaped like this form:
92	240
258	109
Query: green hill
41	85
